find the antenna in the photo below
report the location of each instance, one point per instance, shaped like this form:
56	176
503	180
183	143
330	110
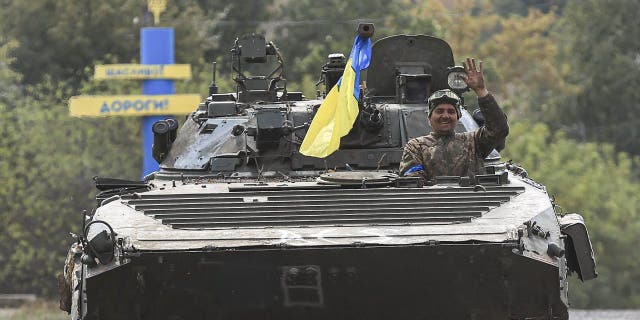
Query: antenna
213	89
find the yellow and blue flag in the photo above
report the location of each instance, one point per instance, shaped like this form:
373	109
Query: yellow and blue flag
339	110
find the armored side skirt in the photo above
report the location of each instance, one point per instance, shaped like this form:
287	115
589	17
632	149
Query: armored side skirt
436	281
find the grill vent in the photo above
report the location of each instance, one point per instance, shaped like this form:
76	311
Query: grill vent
309	208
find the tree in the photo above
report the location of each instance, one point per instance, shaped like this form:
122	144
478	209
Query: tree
519	51
601	44
60	38
508	7
307	33
47	162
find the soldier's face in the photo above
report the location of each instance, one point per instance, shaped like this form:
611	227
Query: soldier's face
444	118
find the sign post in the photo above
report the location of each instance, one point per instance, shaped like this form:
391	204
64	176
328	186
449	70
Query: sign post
157	72
156	47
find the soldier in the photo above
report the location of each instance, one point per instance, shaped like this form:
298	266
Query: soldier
446	153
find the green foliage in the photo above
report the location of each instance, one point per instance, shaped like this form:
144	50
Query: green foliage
60	38
601	44
307	33
519	51
205	30
47	162
508	7
595	181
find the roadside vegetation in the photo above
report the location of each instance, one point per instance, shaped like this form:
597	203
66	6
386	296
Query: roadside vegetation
39	310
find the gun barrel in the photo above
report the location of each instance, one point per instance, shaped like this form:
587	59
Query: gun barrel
366	30
161	131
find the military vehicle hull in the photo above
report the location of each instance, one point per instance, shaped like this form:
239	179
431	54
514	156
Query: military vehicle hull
238	224
283	250
423	281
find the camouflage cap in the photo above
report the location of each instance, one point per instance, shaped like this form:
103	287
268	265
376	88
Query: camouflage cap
444	96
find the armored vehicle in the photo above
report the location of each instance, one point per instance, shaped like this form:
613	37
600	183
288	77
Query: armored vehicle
238	224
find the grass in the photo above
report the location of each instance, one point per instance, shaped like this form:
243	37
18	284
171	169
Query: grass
38	310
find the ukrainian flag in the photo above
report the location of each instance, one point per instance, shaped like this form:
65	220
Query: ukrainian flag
339	110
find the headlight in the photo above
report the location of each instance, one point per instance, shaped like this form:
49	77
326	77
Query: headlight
455	78
100	240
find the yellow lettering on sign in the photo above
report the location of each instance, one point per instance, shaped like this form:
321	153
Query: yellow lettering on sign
142	71
133	105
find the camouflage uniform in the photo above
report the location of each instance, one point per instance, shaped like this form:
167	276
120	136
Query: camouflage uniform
456	154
